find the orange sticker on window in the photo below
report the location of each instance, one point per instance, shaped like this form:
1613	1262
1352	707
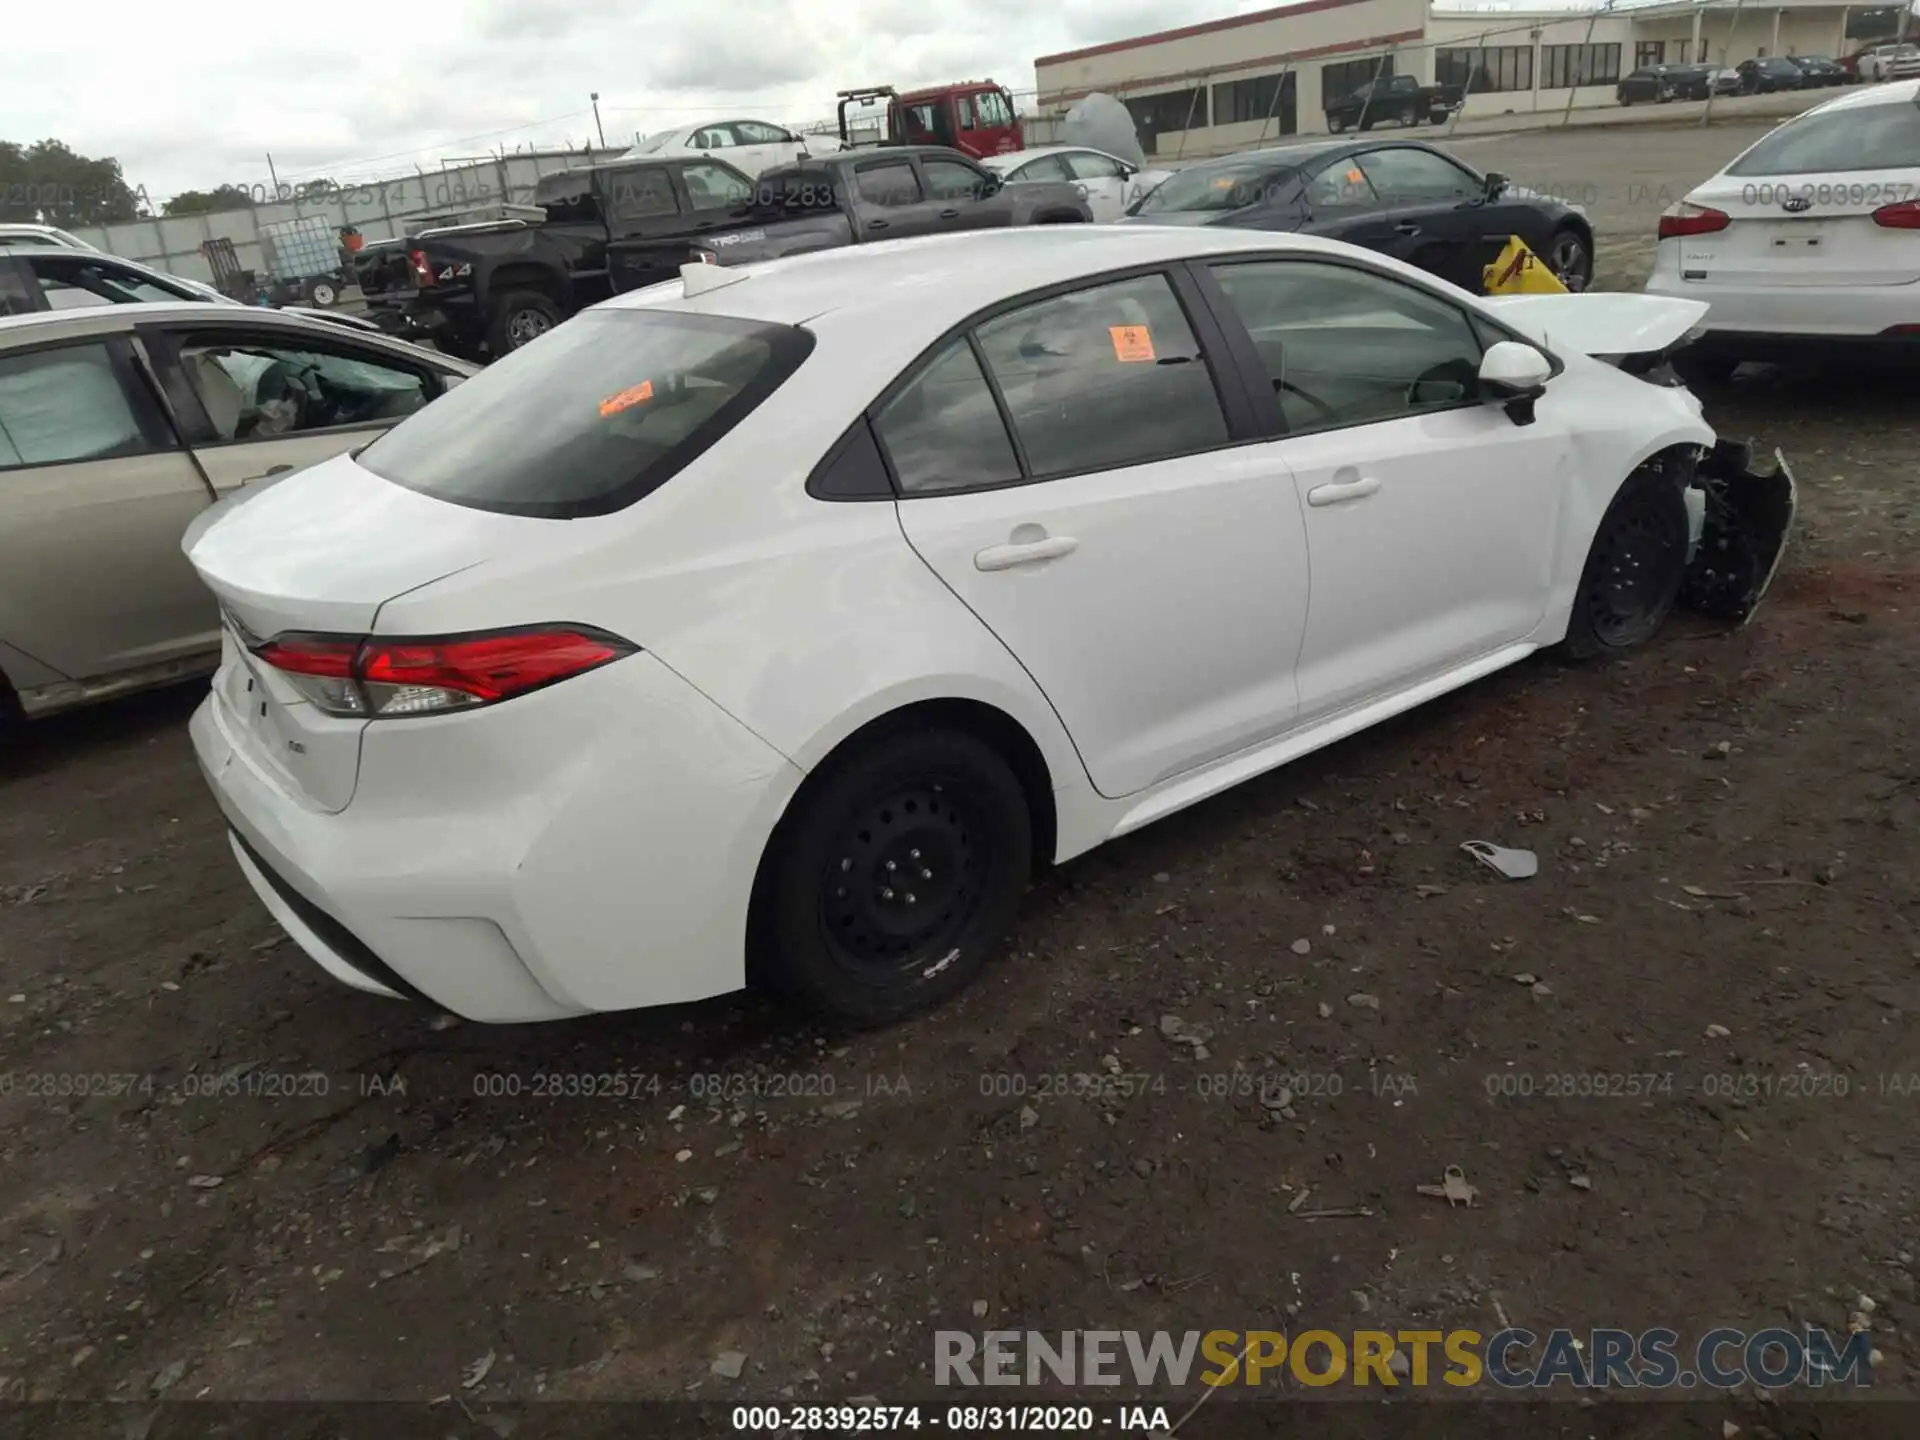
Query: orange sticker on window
632	395
1354	177
1131	343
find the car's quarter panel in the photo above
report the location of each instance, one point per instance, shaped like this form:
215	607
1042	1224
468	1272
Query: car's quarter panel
534	860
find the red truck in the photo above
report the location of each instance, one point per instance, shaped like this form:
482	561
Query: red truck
975	117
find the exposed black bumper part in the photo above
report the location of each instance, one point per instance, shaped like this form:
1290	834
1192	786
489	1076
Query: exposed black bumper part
1749	517
342	941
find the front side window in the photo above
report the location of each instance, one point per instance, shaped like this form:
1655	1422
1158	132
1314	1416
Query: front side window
1343	185
1417	175
889	185
257	388
992	108
1234	185
67	404
642	194
1047	167
752	132
1087	165
950	180
943	431
1104	377
1343	346
16	295
592	416
715	187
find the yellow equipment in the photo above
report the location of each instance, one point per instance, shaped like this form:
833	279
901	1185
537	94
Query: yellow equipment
1519	271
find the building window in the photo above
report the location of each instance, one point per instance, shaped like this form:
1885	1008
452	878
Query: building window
1649	52
1570	66
1485	71
1269	96
1340	80
1174	110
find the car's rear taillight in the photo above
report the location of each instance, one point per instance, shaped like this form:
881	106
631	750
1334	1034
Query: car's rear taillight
1901	215
1686	218
377	676
422	267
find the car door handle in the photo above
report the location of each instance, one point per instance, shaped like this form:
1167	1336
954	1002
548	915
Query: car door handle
948	214
1030	552
1406	227
1338	490
266	474
878	224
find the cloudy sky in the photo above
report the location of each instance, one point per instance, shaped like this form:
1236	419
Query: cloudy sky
189	97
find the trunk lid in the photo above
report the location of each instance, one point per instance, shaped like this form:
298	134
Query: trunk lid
321	551
1804	230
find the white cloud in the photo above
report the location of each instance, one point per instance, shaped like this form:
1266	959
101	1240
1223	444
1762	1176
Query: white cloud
199	97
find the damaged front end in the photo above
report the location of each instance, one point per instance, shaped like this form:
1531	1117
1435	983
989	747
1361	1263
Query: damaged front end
1743	531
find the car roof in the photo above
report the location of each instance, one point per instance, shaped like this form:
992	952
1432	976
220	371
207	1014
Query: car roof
1894	92
1035	152
118	319
1292	154
930	283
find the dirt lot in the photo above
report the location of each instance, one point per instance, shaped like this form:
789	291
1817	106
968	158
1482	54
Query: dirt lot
290	1190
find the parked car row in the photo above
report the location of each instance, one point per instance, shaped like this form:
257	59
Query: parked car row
1764	75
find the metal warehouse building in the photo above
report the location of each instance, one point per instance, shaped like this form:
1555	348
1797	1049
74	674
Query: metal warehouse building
1225	84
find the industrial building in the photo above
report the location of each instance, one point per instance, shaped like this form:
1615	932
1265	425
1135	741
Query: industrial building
1224	84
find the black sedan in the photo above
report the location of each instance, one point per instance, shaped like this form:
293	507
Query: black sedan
1400	197
1652	84
1768	73
1819	70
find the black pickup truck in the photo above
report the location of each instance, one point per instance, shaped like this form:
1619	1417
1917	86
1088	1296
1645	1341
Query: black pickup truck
850	198
492	287
1399	98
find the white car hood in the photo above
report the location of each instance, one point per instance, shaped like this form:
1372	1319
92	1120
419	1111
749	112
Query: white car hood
1599	322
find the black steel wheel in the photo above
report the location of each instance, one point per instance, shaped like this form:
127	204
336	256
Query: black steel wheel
894	876
1570	259
1634	569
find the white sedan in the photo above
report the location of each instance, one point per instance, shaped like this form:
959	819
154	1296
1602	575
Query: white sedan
1111	186
781	620
1809	241
753	146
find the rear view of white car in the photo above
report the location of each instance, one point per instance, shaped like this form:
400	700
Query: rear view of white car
1809	241
792	614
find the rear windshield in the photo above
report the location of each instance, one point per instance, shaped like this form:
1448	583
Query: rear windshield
1217	187
592	416
1885	136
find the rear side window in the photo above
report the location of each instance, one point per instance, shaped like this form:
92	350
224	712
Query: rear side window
1863	137
593	415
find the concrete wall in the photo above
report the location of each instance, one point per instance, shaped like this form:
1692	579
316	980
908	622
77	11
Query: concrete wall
381	210
1261	43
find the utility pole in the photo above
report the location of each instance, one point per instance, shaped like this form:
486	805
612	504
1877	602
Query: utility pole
273	175
595	97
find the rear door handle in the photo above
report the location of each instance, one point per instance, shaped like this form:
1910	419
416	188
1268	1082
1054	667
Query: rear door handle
1031	552
268	474
949	214
878	224
1406	227
1339	490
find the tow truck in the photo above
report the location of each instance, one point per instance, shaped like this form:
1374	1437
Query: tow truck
975	117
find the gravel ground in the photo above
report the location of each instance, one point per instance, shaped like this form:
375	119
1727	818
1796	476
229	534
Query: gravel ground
289	1190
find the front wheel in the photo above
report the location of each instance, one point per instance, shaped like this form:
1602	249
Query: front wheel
1570	259
894	877
1634	569
1336	123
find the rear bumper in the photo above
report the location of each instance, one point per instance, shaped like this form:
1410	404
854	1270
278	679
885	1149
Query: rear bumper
409	317
1799	318
593	851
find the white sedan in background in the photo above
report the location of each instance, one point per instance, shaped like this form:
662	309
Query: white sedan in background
1809	241
781	620
752	146
1110	184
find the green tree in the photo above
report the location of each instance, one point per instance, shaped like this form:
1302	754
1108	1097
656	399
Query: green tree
206	202
50	182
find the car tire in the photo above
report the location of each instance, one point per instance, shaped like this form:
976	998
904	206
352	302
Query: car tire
1336	124
942	801
1570	257
518	317
1634	569
1697	370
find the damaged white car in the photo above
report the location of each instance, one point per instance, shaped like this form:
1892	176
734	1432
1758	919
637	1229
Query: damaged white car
787	616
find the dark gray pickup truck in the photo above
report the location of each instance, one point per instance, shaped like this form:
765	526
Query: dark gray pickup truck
880	193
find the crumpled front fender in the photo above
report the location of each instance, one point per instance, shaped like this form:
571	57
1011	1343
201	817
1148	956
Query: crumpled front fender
1749	516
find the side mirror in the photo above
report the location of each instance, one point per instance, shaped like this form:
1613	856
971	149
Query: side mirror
1514	375
1496	184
